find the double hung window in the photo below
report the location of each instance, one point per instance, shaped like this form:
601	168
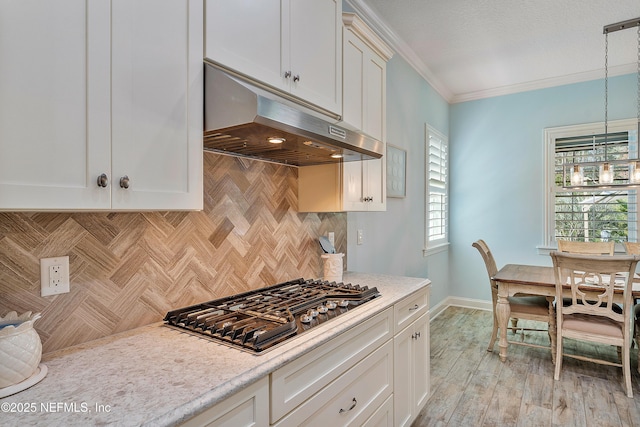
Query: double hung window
581	209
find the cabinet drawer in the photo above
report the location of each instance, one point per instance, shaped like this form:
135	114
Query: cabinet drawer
410	308
297	381
353	397
383	417
248	407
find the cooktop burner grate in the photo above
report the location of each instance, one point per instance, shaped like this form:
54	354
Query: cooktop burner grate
258	320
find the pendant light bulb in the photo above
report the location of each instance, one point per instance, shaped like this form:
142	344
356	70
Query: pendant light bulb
634	172
577	176
606	174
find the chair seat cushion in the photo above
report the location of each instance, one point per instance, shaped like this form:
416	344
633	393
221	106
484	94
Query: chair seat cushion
529	305
591	324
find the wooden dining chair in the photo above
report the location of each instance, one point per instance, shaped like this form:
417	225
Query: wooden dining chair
586	248
591	315
633	248
538	308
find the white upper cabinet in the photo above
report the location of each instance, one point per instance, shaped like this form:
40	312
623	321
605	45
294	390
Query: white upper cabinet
54	104
364	109
157	98
101	88
364	77
294	46
354	186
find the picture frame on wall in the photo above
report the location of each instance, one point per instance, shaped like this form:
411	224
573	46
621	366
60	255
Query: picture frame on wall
396	172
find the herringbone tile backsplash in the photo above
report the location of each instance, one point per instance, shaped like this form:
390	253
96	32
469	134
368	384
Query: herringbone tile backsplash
128	269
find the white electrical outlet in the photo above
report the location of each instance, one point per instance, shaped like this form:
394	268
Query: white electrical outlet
332	238
360	237
54	276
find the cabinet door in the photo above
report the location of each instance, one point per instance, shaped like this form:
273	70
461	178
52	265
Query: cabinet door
244	35
314	33
353	87
364	87
374	96
402	377
375	184
353	186
247	408
364	186
157	89
54	104
411	371
421	364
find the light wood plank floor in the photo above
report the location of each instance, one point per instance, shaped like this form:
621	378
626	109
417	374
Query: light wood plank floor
471	387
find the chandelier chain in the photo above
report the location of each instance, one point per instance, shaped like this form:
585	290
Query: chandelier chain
606	92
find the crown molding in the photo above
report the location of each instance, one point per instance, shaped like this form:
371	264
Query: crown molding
392	39
544	83
357	26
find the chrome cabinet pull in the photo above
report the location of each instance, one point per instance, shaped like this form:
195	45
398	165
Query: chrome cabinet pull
124	182
287	74
415	307
103	180
355	402
415	336
296	78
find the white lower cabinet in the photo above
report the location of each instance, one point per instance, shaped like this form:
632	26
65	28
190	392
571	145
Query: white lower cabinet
300	380
383	417
249	407
351	398
411	373
375	374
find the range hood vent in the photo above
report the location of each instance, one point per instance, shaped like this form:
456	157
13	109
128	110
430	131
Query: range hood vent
240	118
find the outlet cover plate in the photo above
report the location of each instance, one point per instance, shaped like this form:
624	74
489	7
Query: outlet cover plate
54	276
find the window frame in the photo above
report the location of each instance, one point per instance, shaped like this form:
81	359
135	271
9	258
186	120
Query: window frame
550	136
439	245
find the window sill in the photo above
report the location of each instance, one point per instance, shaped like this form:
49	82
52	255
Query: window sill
546	250
435	249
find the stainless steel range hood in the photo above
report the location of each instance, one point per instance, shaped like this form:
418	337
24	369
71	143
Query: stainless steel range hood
240	118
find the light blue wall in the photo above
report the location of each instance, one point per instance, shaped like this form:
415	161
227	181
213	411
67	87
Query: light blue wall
393	240
496	165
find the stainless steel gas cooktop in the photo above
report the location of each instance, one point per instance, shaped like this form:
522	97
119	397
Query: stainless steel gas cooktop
262	318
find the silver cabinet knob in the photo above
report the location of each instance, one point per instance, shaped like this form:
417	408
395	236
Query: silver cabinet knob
124	182
296	78
103	180
287	74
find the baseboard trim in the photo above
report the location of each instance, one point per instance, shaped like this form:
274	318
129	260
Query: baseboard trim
477	304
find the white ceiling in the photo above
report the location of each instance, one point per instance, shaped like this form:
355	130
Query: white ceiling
470	49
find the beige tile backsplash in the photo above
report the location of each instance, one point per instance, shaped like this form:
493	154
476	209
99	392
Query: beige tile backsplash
128	269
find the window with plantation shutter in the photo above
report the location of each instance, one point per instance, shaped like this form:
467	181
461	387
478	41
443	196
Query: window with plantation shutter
437	199
581	213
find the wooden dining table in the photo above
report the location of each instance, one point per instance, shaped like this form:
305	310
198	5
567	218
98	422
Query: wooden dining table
522	279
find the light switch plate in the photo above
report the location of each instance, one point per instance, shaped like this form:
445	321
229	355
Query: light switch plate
54	276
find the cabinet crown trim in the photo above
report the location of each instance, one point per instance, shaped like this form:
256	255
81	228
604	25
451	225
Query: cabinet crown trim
356	25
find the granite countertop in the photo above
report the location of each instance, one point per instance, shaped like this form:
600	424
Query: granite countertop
160	376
